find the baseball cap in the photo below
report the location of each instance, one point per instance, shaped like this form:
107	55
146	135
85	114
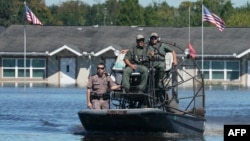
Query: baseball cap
139	36
154	34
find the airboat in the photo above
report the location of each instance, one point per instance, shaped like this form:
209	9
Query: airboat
178	108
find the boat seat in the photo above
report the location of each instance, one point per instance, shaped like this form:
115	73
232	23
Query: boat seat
135	73
168	61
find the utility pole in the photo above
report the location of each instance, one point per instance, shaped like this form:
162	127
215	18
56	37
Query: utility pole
104	16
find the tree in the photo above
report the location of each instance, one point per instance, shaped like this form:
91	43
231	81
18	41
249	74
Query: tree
39	8
166	14
150	16
184	13
71	13
11	12
131	13
123	13
239	18
113	10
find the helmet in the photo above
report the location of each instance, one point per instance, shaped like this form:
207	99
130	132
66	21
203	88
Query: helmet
139	36
154	34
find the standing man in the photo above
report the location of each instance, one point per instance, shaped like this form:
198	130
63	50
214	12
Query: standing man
98	88
160	50
136	59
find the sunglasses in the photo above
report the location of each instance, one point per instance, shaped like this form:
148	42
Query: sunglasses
102	68
153	38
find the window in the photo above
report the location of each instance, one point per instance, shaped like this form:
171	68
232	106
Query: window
232	70
15	67
220	70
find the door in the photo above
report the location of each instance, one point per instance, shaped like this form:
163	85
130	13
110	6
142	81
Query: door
109	63
67	71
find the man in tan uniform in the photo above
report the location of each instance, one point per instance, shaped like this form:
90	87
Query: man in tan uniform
98	88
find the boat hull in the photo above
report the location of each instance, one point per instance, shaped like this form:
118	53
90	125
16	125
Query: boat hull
140	120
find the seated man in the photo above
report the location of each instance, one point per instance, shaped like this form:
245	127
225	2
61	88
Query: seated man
137	59
160	50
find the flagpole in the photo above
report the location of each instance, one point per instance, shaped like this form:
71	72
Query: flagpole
202	60
29	16
189	25
24	50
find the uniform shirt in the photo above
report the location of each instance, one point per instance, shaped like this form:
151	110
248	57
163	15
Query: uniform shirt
99	85
140	51
160	50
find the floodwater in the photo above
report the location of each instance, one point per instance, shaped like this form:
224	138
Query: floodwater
50	114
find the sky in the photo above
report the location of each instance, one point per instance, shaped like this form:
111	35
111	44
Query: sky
175	3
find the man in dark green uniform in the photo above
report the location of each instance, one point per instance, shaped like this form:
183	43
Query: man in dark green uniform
160	50
137	59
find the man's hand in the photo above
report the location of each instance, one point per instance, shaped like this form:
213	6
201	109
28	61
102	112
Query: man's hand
89	105
152	53
124	51
133	67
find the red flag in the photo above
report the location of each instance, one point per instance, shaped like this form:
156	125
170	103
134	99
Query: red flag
192	52
208	16
30	16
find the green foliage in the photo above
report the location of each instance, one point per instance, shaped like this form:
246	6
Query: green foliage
70	13
123	13
10	12
131	13
150	16
112	11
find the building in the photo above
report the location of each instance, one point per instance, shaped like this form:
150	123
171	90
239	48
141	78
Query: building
62	55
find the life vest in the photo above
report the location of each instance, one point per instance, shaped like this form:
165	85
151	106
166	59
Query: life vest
140	59
156	50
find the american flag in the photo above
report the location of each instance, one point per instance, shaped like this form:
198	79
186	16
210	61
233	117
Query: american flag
31	17
212	18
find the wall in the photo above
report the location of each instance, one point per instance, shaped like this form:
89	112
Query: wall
52	70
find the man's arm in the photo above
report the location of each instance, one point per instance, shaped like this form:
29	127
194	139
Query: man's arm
115	87
174	58
127	60
132	66
151	53
89	104
88	92
173	53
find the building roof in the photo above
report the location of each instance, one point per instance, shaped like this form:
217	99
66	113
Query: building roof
47	39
